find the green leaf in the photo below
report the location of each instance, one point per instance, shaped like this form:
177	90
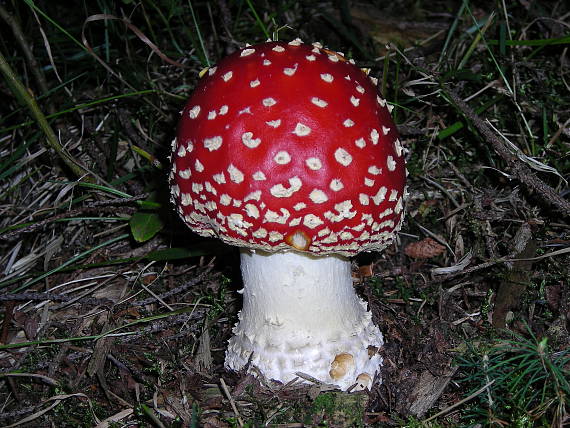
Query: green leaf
145	225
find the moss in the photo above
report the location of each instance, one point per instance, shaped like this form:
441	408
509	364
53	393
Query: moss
338	409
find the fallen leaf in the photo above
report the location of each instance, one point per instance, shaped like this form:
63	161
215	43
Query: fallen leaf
424	249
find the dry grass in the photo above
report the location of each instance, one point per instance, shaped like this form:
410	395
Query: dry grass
114	315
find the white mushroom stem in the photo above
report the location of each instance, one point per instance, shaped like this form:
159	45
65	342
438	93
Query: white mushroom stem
300	312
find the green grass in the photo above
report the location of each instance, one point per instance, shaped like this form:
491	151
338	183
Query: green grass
530	388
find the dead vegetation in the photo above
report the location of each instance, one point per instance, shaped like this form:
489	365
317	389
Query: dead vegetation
113	314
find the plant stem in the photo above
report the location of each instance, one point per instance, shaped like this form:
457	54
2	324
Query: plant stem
20	91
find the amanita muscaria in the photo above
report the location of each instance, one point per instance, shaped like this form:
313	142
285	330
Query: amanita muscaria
287	151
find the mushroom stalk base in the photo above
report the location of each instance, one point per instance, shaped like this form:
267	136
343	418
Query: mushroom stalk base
301	314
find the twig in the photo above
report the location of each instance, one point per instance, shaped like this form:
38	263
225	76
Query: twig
161	325
67	300
174	291
40	297
56	400
150	414
48	380
18	413
518	169
309	378
443	189
114	419
34	416
232	402
459	403
95	206
472	269
494	262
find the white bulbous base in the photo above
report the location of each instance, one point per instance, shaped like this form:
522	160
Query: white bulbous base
300	313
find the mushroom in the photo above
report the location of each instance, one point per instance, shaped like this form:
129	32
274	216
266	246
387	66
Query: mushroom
287	151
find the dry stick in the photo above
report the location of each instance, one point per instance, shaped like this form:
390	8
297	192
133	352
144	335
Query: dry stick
154	327
459	403
517	168
56	400
40	297
48	380
18	413
19	90
104	301
232	402
96	206
178	290
34	416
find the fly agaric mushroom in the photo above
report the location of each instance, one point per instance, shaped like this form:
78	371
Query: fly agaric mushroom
286	151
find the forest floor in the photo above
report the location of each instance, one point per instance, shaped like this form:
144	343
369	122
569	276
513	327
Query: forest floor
113	313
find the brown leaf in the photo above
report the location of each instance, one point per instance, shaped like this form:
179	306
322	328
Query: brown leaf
424	249
28	323
553	295
365	271
214	422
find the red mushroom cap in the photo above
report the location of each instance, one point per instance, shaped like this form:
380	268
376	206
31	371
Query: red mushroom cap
287	145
